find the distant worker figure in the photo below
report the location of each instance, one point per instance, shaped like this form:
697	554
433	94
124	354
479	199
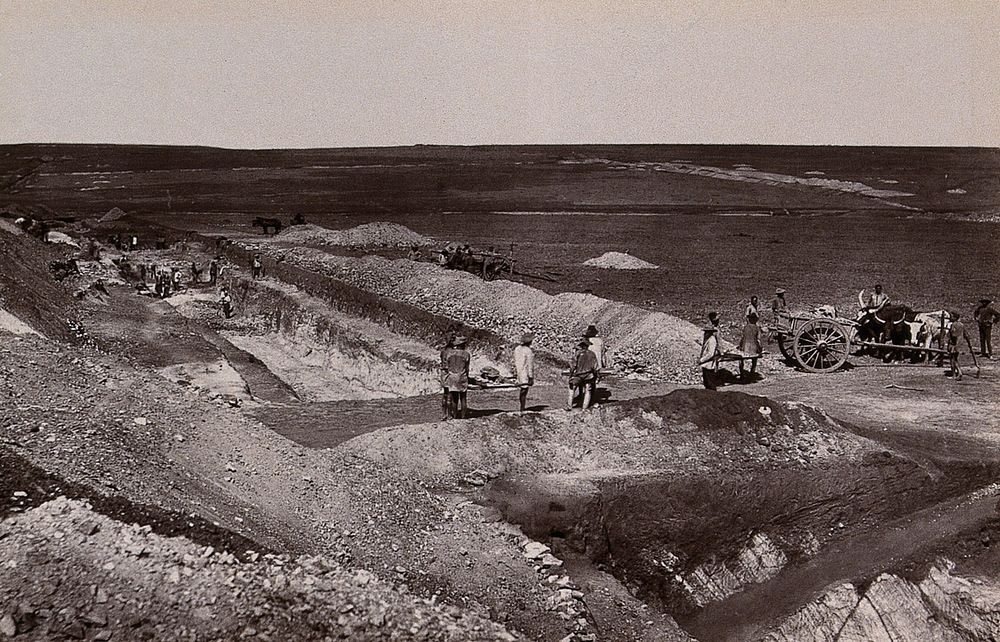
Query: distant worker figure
524	366
456	380
709	359
956	333
213	271
582	375
226	302
779	306
175	279
986	315
750	344
443	258
877	300
488	261
257	266
195	273
414	253
446	394
134	242
753	308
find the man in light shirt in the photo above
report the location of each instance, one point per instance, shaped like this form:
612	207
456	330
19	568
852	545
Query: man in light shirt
709	359
524	366
596	345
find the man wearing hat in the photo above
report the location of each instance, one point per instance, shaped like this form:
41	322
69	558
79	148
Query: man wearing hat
524	366
596	345
709	359
986	315
779	306
455	376
582	375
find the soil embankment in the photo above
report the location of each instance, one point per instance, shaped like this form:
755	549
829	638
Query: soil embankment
651	343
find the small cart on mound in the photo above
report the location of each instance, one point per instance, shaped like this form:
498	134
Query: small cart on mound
823	344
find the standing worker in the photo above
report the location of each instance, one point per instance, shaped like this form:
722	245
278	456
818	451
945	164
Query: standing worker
750	344
956	333
582	375
226	302
709	359
779	307
257	266
597	346
524	366
753	308
446	412
986	315
213	271
456	377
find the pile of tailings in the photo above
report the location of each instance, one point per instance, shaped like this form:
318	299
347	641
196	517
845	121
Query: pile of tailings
368	235
619	261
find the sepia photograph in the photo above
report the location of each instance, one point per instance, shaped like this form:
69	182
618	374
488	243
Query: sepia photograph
548	320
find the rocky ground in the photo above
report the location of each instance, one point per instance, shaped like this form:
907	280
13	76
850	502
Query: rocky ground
71	573
652	517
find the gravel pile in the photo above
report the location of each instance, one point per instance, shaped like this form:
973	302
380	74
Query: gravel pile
72	573
368	235
619	261
651	344
113	214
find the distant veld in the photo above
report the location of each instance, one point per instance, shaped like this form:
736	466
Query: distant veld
83	180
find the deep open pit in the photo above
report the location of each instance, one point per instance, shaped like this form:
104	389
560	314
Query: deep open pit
743	495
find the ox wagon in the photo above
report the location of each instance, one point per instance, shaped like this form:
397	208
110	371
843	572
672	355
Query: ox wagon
819	343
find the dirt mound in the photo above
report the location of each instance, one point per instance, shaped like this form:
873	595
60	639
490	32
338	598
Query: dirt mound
653	344
28	289
367	235
619	261
77	574
113	215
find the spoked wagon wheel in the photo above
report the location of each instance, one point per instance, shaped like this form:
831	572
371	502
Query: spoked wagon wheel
821	345
785	345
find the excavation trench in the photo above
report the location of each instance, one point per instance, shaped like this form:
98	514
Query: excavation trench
700	542
325	355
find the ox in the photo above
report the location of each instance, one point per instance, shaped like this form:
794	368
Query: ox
890	324
928	327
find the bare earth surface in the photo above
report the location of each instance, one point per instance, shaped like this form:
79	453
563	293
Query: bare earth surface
167	473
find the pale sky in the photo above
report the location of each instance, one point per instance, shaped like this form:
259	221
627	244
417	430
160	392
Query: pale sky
360	72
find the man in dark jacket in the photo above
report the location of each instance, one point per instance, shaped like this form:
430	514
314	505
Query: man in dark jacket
582	375
986	315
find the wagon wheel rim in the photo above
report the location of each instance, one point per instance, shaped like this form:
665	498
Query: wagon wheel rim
784	347
821	345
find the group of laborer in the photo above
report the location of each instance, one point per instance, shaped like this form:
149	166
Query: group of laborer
751	344
583	376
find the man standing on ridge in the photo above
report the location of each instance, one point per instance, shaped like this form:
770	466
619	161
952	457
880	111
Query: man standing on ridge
582	375
709	359
456	377
524	366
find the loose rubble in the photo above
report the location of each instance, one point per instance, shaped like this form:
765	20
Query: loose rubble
72	573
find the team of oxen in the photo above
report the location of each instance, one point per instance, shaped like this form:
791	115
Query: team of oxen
895	324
